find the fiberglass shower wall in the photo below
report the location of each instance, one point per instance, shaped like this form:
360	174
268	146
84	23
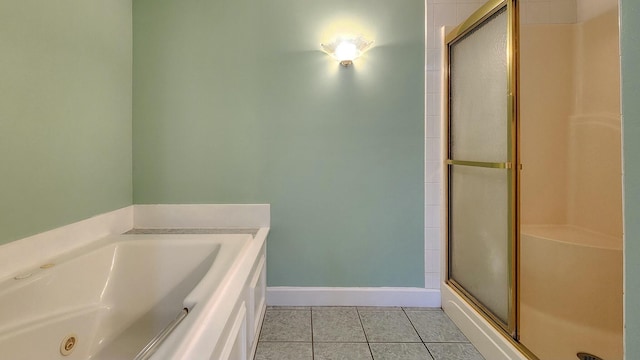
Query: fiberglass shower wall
571	195
570	118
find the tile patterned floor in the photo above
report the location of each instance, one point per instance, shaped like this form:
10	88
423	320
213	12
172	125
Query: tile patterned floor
361	333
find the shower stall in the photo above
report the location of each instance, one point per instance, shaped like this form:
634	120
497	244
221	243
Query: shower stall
533	180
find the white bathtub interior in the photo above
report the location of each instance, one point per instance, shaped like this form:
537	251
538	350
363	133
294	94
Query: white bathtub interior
114	295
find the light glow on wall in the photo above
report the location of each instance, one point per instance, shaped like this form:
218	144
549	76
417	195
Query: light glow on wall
346	50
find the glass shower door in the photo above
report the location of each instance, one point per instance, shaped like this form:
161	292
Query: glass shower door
481	154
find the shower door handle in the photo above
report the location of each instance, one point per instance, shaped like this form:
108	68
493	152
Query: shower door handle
492	165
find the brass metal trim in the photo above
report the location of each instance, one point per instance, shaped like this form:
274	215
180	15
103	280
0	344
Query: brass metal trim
492	165
514	176
457	34
478	305
485	11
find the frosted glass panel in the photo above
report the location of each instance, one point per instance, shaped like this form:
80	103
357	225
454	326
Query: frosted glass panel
479	93
478	222
479	231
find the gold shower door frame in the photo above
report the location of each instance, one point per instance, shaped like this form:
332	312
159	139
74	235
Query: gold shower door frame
474	21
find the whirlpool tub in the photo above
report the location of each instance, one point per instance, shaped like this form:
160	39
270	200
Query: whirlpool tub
160	296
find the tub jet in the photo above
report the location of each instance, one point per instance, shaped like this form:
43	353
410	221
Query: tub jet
68	344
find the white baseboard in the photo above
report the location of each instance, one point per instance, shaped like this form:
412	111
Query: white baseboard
491	344
30	251
181	216
352	296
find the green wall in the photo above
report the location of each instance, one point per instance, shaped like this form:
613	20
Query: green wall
65	112
235	103
630	41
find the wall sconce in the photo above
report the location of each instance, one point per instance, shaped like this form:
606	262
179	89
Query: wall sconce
345	50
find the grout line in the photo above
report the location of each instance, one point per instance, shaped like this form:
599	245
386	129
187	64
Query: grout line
313	355
370	351
428	351
375	342
286	341
313	341
364	332
366	338
423	342
413	326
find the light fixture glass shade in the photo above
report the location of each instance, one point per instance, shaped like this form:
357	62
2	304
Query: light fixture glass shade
345	50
